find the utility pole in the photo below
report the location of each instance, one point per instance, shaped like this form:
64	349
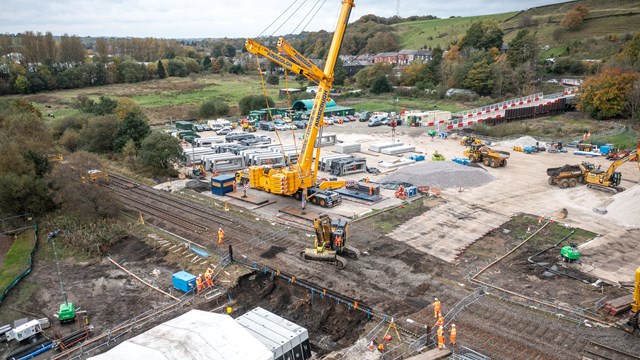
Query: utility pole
398	8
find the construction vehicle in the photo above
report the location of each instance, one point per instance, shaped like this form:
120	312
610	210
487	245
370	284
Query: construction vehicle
566	176
330	242
95	175
488	156
615	155
570	253
609	180
437	156
247	125
470	140
301	179
67	311
634	318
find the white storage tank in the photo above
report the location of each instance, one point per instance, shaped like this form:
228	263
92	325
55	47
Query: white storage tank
287	340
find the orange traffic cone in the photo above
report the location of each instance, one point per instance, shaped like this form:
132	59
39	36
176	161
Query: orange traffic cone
528	229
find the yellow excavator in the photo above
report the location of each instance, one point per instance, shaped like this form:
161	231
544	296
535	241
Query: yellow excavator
608	180
301	179
330	243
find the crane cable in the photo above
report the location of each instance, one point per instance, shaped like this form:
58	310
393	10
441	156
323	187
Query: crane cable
293	132
264	92
305	17
279	16
289	18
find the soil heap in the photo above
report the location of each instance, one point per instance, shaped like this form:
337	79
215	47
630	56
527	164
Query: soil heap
625	207
440	174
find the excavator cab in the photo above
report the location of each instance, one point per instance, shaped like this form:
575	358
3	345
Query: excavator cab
330	242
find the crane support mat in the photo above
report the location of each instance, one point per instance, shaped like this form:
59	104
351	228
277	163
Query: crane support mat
433	354
398	150
252	199
296	211
348	148
359	195
377	147
395	164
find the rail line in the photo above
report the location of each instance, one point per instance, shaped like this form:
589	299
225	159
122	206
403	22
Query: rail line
597	351
174	201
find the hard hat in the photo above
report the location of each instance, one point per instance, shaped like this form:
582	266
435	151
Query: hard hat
440	326
435	298
453	325
200	275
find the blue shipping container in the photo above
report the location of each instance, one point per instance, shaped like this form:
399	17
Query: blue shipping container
183	281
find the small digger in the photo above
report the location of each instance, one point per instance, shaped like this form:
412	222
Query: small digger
330	242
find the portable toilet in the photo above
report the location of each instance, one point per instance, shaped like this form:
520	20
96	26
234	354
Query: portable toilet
411	191
222	184
183	281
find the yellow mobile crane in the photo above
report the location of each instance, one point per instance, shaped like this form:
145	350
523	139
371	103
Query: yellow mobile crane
634	319
301	179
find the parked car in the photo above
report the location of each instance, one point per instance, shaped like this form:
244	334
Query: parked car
398	122
364	116
238	136
328	121
198	128
224	131
350	118
300	124
375	122
258	140
205	127
281	127
267	126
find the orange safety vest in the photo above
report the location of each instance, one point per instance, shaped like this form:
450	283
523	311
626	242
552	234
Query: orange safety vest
453	335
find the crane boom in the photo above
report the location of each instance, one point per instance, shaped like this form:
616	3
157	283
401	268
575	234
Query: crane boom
256	48
300	180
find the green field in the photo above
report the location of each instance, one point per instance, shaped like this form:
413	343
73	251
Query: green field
440	32
17	259
590	41
626	140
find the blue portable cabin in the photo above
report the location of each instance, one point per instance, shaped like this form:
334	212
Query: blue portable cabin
222	184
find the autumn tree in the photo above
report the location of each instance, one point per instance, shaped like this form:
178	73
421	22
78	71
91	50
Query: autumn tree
479	78
162	73
76	194
483	35
606	95
630	55
412	74
134	127
382	42
102	50
523	48
98	134
71	50
573	18
366	76
158	152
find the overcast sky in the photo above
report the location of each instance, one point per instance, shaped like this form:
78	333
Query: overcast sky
216	18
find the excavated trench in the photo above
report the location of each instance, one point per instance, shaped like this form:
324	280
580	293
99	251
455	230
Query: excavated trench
331	326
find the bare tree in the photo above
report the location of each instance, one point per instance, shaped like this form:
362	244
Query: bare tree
526	20
633	100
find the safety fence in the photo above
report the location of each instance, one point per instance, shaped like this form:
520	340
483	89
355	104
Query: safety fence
27	270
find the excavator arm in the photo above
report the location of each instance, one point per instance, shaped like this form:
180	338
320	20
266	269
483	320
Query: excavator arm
635	306
256	48
633	156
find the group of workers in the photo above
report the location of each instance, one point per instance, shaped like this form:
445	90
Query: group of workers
437	314
206	281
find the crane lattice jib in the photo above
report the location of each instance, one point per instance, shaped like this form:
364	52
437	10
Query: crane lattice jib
324	87
255	48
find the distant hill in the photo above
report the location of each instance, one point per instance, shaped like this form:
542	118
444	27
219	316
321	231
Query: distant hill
608	21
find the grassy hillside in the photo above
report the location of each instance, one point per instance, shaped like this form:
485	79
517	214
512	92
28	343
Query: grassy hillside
599	36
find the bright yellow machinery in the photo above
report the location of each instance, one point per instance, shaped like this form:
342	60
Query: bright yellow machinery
301	179
330	242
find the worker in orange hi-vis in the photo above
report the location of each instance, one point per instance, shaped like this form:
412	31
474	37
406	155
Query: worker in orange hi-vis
452	335
208	278
436	308
441	338
440	321
220	236
199	284
370	189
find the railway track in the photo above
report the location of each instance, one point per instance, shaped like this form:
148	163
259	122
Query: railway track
597	351
176	202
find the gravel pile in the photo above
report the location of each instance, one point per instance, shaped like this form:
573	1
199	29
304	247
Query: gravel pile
440	174
625	206
522	142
